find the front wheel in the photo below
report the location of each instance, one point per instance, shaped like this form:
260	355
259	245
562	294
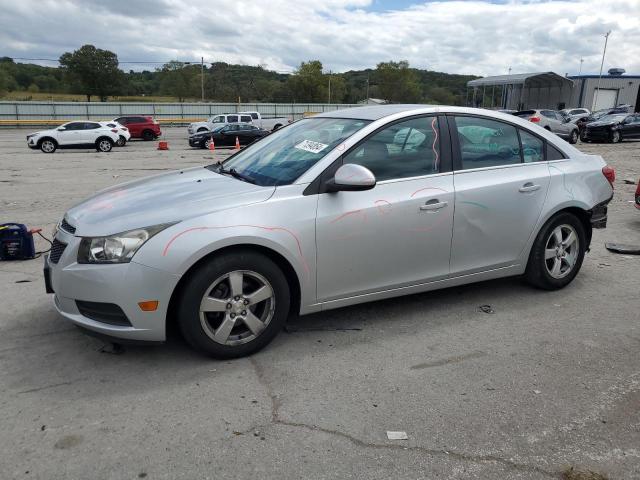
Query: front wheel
615	136
48	146
121	141
557	253
573	138
234	304
104	145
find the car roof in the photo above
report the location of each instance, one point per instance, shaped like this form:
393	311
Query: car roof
372	112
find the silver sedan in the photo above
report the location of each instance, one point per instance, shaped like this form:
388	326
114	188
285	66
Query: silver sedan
345	207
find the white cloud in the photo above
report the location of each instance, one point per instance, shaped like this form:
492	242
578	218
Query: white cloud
476	36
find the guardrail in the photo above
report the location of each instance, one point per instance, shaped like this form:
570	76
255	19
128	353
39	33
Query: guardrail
55	113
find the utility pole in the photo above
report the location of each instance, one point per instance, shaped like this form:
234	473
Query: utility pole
509	70
202	76
329	87
581	62
367	88
604	51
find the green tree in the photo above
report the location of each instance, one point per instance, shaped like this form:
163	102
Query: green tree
178	80
95	70
397	82
307	83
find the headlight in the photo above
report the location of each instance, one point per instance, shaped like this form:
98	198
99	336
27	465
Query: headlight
118	248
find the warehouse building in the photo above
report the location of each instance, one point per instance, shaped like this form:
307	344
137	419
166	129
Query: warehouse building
550	90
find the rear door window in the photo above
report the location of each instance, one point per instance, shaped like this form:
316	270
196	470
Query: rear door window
532	147
232	118
245	118
487	143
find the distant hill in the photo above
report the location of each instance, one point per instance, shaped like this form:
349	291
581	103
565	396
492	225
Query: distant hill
223	82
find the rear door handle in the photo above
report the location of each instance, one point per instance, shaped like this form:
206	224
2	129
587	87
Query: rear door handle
432	205
529	187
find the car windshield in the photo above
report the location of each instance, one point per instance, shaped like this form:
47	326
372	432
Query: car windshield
616	117
281	157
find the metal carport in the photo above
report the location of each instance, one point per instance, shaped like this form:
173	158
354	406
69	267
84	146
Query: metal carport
520	91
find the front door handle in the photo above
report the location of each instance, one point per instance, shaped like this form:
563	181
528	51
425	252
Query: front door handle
528	187
432	205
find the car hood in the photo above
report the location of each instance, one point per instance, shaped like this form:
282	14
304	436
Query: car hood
165	198
606	123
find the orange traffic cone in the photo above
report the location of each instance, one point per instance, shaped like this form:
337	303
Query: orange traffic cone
163	145
237	144
212	145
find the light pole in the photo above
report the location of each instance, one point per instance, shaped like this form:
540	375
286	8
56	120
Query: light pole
604	51
329	87
202	77
581	62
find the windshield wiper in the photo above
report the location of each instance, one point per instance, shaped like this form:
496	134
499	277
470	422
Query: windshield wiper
235	174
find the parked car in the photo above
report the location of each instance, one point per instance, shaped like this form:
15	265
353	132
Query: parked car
82	134
576	113
553	121
267	123
218	121
123	132
341	208
227	134
613	128
140	126
582	122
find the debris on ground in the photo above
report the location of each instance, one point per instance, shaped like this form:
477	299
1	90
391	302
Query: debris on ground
486	309
601	265
623	248
112	349
629	181
573	474
537	392
397	436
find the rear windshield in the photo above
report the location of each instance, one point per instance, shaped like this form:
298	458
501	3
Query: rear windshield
525	113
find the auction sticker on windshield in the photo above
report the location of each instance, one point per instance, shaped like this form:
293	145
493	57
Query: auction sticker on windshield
310	146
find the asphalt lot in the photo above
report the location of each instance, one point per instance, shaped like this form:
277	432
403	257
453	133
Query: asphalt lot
548	381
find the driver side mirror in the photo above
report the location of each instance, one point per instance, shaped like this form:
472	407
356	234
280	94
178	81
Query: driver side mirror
351	178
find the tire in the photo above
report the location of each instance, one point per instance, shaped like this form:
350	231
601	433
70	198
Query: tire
202	129
210	286
121	141
583	136
48	145
615	137
148	135
104	144
276	127
540	269
573	138
205	143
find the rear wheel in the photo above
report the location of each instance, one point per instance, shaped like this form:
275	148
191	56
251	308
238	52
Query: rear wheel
573	138
557	253
148	135
121	141
48	146
104	144
202	129
234	305
276	127
206	143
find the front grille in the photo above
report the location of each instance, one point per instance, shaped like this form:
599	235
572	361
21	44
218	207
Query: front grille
57	248
103	312
67	227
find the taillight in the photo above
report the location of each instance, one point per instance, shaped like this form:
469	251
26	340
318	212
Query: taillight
114	130
534	119
609	173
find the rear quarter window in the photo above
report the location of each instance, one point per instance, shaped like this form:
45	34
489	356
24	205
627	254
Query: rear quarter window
553	153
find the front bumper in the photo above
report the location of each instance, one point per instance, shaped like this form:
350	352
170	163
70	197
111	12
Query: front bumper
195	142
599	134
123	285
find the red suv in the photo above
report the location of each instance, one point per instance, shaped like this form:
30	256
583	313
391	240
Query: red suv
140	126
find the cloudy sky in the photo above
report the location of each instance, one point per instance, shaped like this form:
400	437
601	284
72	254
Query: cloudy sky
483	37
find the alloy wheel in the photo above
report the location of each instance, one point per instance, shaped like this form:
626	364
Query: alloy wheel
48	146
561	251
237	307
104	145
615	137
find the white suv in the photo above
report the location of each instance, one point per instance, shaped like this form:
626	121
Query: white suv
82	134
